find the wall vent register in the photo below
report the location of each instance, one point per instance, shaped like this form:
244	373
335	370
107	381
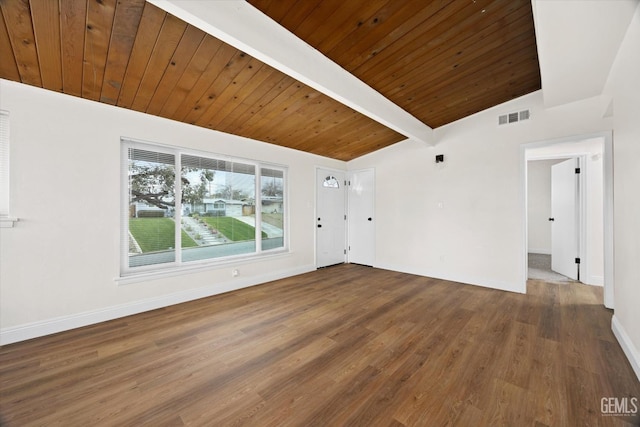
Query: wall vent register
514	117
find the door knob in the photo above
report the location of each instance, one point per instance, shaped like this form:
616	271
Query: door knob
552	219
319	225
369	219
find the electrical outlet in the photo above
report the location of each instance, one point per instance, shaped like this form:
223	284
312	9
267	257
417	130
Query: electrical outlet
235	272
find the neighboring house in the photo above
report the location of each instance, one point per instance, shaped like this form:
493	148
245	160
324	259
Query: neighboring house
213	207
225	207
272	204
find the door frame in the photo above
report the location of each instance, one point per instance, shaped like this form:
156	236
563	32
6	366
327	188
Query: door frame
607	164
315	210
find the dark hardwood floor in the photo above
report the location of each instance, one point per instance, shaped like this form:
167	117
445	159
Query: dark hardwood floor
342	346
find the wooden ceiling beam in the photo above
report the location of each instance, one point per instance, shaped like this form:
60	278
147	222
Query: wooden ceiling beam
241	25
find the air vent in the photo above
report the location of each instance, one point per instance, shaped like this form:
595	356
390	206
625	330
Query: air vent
514	117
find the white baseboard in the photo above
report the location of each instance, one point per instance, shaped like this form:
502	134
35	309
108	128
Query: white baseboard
629	349
595	281
467	280
540	251
65	323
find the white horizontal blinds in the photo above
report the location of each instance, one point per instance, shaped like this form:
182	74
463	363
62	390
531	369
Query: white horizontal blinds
198	162
150	226
272	208
4	163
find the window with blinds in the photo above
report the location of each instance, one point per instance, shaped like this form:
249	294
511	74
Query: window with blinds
181	208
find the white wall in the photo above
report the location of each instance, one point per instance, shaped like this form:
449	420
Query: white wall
539	206
464	219
623	86
59	262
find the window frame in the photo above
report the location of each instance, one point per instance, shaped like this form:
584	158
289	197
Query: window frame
178	266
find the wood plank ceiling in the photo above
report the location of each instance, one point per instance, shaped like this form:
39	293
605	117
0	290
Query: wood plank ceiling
438	60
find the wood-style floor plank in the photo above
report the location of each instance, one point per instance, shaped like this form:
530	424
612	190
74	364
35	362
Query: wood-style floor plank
342	346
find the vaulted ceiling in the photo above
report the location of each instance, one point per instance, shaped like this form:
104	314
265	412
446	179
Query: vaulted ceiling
439	60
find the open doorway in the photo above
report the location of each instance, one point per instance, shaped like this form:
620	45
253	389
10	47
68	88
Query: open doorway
588	254
553	212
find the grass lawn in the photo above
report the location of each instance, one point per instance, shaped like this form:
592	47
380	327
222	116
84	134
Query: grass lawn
232	228
157	234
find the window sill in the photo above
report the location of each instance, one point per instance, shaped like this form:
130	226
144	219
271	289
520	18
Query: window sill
7	222
195	268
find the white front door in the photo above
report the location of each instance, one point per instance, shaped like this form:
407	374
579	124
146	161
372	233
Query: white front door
362	239
331	228
564	217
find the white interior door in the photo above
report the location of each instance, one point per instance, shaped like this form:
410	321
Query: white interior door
331	232
361	218
564	217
